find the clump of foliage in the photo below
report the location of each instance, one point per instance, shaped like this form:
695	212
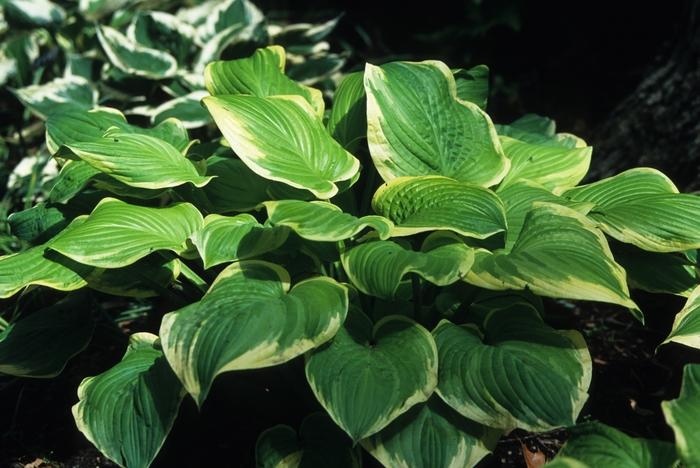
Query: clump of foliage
399	242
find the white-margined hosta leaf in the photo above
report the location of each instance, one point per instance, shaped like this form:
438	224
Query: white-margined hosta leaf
555	168
428	203
139	161
280	138
262	75
594	444
133	58
347	121
60	95
320	444
187	109
377	268
368	375
161	30
514	372
683	415
559	253
323	221
225	239
539	130
418	126
223	15
117	234
686	325
41	343
96	9
642	207
431	435
33	13
250	318
473	84
128	410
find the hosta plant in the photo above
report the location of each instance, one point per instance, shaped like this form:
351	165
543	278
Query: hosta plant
398	242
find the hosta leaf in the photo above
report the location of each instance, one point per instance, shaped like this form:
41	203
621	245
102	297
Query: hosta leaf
145	278
322	221
367	376
188	109
38	223
320	444
418	204
473	84
41	343
248	319
139	161
226	14
117	234
519	373
683	415
60	95
281	139
538	124
539	130
128	411
158	30
33	13
596	445
347	121
686	325
417	126
377	268
642	207
559	253
262	75
133	58
431	435
96	9
226	239
72	178
555	168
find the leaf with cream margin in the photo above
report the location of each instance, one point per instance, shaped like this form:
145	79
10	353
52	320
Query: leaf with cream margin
323	221
128	410
225	239
473	84
377	268
248	319
261	75
117	234
683	415
280	138
133	58
416	126
369	375
347	121
686	325
431	435
514	372
428	203
559	253
643	207
60	95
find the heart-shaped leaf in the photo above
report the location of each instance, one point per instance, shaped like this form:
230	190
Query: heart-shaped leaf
367	376
416	126
519	373
683	415
128	411
249	319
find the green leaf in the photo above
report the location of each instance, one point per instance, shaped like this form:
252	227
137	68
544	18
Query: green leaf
117	234
33	13
539	130
71	180
431	435
516	372
188	109
686	325
320	444
428	203
96	9
322	221
559	253
139	161
128	411
227	239
147	277
642	207
60	95
418	126
133	58
538	124
37	224
683	415
473	84
249	319
369	375
554	168
159	30
377	268
596	445
261	75
281	139
347	121
41	343
224	15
